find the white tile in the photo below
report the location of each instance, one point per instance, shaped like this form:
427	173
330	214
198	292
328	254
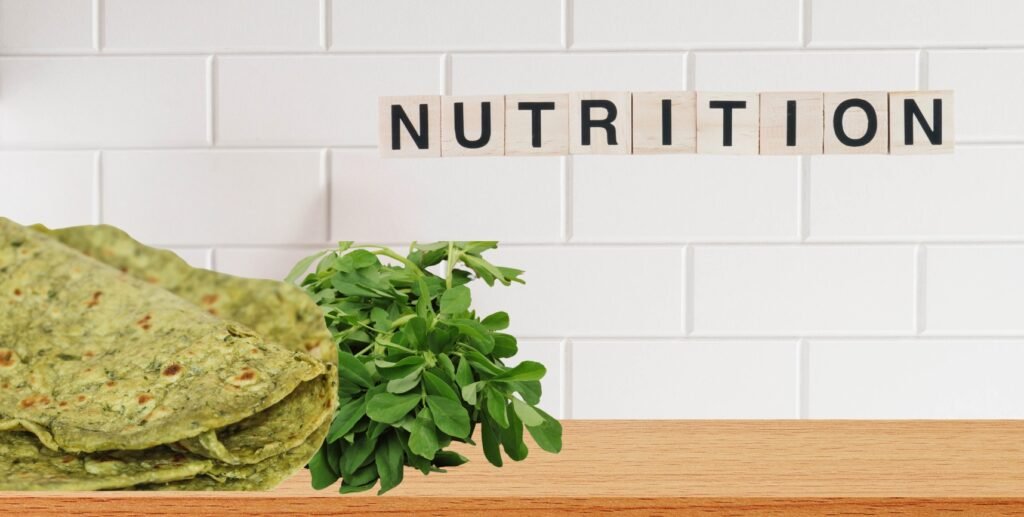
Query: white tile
684	379
972	194
974	290
483	198
313	100
802	290
445	25
986	104
45	26
612	24
96	101
196	257
269	263
52	188
916	379
588	291
915	23
676	198
805	71
482	74
214	25
216	197
549	353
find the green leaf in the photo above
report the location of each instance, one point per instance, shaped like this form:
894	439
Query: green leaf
321	472
455	300
449	416
504	345
392	371
351	368
491	441
497	406
446	363
415	332
524	371
362	479
438	386
547	435
526	413
423	436
355	455
302	266
512	439
463	374
469	391
482	363
389	461
346	418
405	383
496	321
389	408
476	333
449	459
529	390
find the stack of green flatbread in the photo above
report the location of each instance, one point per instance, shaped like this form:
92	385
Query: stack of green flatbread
122	367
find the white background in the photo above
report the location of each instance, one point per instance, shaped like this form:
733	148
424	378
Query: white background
241	133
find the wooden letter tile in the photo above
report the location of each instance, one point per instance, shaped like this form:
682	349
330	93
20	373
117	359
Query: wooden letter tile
536	124
727	123
600	123
856	123
664	122
463	128
921	122
791	123
409	127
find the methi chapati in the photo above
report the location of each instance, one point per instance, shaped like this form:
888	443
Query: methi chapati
95	359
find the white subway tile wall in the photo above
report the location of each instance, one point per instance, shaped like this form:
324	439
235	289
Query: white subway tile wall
242	135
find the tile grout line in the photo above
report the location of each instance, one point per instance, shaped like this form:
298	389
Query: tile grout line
211	92
446	74
688	291
97	25
325	25
325	183
97	185
567	24
566	163
803	378
803	189
920	287
922	69
691	70
566	371
805	23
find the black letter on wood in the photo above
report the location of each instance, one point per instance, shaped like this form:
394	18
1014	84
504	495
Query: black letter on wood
421	137
727	107
485	126
912	111
837	122
535	108
790	123
666	122
586	123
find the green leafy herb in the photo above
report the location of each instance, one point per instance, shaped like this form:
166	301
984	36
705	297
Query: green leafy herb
418	368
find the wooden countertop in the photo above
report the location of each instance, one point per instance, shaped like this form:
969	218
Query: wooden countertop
789	467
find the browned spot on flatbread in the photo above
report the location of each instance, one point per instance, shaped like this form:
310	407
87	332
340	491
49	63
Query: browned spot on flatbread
311	345
124	269
172	370
213	311
247	375
81	398
152	279
145	322
17	292
67	459
111	384
209	299
87	354
7	357
95	300
33	400
145	397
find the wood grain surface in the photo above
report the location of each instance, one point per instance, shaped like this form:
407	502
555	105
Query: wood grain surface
662	467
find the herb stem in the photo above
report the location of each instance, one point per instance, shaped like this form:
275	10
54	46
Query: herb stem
452	258
385	251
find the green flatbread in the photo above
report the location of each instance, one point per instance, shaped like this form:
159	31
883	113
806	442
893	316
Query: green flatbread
97	358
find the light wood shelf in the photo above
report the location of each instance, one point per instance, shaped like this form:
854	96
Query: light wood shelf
788	467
